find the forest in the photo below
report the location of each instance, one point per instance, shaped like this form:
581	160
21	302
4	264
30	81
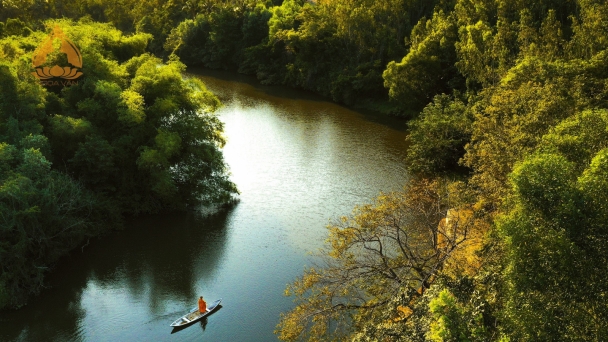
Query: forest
501	233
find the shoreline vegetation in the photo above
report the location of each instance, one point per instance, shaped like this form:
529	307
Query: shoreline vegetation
131	137
500	236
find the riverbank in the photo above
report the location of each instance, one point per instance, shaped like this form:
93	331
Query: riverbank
255	89
298	161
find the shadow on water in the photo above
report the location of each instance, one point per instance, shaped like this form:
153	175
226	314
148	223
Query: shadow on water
202	323
142	265
230	85
251	84
155	249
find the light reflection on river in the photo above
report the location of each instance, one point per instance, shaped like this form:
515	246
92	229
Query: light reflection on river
298	161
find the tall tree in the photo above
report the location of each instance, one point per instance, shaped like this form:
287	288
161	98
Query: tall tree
381	258
555	235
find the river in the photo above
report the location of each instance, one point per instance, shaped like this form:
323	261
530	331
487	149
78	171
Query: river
298	161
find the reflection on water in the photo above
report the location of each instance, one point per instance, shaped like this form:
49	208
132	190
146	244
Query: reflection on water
298	161
127	281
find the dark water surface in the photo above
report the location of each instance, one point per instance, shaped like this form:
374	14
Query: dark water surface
298	161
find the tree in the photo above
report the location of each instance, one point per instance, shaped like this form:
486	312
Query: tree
60	149
510	119
438	136
385	256
590	29
555	236
43	214
452	321
428	68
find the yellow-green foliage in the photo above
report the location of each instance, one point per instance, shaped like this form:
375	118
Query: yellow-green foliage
428	68
452	322
530	126
519	115
555	234
378	262
128	136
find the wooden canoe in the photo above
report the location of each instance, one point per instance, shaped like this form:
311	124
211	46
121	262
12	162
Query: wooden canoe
194	315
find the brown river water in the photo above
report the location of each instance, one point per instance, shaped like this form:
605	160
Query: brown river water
298	160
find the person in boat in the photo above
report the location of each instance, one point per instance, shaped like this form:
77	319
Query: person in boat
202	305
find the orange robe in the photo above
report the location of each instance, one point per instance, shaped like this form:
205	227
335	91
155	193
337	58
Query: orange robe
202	306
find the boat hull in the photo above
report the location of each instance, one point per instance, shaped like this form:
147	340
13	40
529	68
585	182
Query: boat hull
194	315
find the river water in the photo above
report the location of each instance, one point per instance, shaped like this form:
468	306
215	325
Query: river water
298	161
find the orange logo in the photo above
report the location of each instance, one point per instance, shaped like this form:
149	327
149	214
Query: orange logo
66	72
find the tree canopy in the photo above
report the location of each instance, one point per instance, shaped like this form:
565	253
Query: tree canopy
130	136
506	102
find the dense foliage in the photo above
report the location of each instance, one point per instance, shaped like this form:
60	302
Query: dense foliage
507	101
336	48
131	136
513	101
379	262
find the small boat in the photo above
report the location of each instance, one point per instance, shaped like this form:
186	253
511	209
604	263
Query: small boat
194	315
